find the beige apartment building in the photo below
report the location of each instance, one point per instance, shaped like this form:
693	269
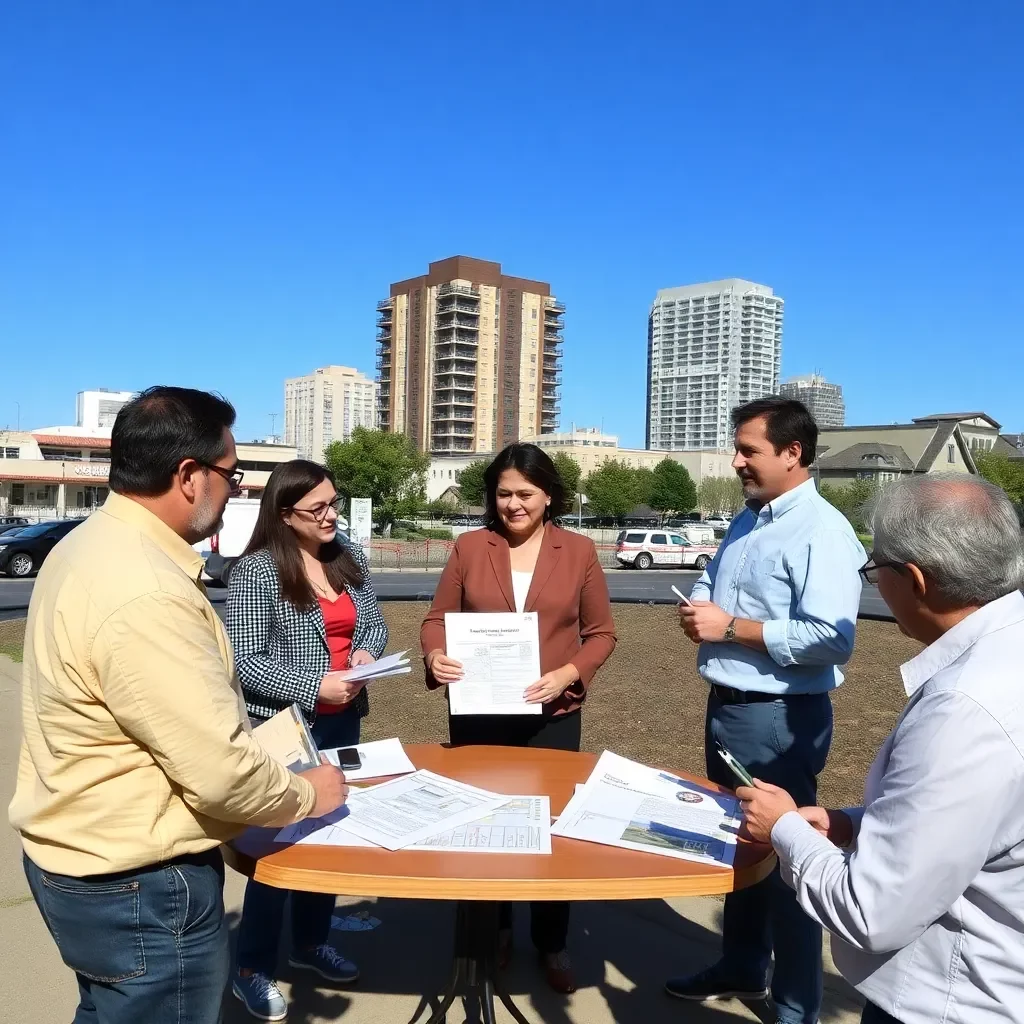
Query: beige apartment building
468	358
63	471
939	443
326	406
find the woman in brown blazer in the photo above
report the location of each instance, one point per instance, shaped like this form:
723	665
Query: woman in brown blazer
523	562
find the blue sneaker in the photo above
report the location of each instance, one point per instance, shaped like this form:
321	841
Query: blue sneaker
326	961
260	995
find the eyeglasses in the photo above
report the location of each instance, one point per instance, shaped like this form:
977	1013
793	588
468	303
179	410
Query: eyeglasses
869	570
233	476
319	512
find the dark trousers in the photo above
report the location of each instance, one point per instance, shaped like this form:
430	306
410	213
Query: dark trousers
147	945
873	1015
263	908
784	742
549	919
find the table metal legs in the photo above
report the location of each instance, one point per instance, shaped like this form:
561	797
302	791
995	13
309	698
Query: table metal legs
475	964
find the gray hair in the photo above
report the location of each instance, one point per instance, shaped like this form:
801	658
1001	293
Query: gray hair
960	531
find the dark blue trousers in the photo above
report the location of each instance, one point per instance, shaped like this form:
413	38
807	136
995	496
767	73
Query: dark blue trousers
784	742
263	909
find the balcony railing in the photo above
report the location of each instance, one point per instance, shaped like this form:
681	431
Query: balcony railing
385	304
459	289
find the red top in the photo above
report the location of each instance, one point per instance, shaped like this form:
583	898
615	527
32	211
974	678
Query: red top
340	622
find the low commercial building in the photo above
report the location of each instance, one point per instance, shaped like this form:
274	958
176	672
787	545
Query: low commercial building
59	472
591	448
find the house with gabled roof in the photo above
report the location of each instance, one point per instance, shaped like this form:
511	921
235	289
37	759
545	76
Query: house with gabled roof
939	443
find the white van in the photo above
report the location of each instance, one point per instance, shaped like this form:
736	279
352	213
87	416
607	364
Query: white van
225	547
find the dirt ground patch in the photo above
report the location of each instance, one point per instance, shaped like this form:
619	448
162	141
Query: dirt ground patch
648	701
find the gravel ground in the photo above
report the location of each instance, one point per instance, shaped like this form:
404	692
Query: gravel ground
648	701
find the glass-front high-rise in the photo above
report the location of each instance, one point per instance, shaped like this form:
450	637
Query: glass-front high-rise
710	347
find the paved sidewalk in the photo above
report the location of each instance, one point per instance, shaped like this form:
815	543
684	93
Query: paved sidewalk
623	951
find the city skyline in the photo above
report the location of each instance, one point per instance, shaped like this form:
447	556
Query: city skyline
242	234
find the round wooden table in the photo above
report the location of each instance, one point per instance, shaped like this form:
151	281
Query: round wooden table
479	882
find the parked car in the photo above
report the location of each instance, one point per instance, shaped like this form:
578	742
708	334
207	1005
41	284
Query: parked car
8	521
643	549
23	551
718	522
11	528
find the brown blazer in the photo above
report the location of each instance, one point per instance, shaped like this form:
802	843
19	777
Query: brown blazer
568	593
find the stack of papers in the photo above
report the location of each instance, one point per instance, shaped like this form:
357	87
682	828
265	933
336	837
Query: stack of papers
287	739
627	804
392	665
430	812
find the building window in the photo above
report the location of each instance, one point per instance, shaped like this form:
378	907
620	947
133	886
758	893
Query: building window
951	453
11	453
17	494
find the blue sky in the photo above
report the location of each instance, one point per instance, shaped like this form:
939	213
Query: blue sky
217	194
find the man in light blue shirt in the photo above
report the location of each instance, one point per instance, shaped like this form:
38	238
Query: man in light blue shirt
775	616
922	888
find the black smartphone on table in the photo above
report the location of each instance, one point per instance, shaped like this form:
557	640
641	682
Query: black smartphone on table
348	759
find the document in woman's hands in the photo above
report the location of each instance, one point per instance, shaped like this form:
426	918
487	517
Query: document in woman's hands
500	657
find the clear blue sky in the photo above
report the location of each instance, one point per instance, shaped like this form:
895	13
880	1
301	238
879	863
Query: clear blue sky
216	194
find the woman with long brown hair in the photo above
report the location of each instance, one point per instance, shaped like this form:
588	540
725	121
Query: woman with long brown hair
301	610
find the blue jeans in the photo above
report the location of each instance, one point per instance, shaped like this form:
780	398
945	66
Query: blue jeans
263	908
785	742
147	945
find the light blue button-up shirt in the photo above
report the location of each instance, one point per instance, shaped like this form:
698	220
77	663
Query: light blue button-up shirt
793	566
927	909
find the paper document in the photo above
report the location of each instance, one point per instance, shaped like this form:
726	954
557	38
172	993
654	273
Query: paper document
383	757
392	665
500	656
520	825
287	739
627	804
403	811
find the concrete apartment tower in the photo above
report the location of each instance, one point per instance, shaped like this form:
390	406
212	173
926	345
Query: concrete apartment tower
824	401
468	359
97	410
710	347
325	406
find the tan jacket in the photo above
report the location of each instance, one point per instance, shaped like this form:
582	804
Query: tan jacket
136	745
568	592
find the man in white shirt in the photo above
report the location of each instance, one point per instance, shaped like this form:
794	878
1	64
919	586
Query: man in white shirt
922	888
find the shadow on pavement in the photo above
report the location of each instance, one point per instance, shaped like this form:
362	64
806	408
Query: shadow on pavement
623	953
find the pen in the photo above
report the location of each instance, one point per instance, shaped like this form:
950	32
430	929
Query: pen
683	599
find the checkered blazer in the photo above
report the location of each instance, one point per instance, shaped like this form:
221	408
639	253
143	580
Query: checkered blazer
281	652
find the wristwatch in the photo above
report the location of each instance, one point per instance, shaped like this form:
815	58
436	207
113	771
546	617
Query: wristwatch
730	631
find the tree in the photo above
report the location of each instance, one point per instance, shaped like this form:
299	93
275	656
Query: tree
570	472
854	500
384	467
471	482
1004	472
614	489
673	489
719	494
644	483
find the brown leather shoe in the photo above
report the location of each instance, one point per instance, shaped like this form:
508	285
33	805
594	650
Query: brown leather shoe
504	948
558	972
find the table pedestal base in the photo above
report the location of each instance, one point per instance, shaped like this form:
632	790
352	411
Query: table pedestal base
475	964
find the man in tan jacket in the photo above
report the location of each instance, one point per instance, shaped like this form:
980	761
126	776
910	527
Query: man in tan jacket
137	761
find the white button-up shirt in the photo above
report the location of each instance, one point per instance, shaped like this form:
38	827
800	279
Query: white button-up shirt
927	909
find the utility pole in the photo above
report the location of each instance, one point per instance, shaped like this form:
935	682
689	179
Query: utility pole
273	424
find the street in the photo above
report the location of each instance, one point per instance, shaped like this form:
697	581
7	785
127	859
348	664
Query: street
625	585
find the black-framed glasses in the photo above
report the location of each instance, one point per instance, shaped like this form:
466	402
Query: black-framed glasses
319	512
869	570
234	477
